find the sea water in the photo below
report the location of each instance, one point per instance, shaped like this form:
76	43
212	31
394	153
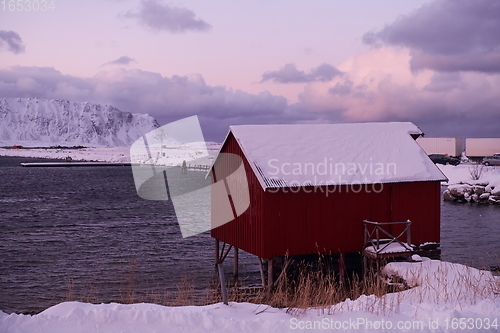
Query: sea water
84	233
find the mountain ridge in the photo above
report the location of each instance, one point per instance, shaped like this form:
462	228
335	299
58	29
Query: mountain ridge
36	121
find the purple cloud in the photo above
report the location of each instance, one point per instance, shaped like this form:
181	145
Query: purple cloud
165	98
451	104
123	60
447	35
341	88
290	74
157	16
11	41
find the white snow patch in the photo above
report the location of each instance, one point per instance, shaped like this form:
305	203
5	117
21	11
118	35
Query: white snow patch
441	292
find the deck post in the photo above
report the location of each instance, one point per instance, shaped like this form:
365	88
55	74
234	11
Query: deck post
235	267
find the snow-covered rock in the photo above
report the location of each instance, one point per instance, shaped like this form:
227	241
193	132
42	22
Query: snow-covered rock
462	188
42	122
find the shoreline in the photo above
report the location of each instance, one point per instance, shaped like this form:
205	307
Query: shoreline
89	154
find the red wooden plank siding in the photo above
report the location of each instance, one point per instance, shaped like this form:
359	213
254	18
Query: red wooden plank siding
245	232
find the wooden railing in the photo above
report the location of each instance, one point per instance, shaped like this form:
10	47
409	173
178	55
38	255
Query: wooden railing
373	231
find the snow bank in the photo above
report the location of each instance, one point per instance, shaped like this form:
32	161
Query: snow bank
444	283
442	294
86	318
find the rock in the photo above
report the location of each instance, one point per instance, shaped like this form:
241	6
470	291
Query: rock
484	196
447	196
478	189
474	197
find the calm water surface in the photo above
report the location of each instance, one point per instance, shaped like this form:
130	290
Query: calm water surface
83	233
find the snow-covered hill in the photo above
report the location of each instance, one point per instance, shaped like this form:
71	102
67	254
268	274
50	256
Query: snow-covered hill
42	122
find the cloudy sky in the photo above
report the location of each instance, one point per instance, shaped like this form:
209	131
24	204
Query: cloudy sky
433	62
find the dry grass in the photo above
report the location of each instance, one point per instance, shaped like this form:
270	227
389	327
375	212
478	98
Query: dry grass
321	290
307	288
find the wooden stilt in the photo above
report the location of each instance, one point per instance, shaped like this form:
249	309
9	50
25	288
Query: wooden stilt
216	253
235	264
270	276
222	283
342	268
262	277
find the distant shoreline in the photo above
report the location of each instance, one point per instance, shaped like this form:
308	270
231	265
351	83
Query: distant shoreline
77	154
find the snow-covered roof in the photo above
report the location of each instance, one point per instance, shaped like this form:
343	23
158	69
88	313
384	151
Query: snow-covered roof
327	154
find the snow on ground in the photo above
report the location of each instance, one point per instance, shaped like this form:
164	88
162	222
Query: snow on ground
462	172
445	297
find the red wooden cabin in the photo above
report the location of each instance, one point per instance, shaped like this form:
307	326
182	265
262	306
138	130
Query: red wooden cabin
312	185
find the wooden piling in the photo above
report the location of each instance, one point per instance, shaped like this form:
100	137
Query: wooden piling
270	273
235	263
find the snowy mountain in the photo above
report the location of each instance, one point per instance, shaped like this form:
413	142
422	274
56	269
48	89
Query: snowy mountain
42	122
